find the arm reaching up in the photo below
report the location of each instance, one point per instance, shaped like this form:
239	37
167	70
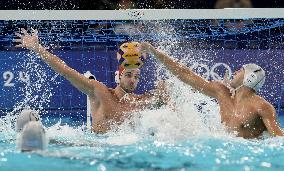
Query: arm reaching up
31	42
183	73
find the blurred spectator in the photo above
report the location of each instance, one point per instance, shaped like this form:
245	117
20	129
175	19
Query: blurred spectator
98	4
126	4
140	4
220	4
177	4
39	5
268	4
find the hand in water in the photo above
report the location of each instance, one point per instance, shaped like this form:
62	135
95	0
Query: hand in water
26	40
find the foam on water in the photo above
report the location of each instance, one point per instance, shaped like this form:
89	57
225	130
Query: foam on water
186	119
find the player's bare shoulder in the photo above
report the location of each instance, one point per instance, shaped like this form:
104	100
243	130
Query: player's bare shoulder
263	107
260	101
100	89
221	88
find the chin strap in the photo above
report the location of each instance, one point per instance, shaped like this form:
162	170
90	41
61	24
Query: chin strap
227	81
234	90
125	96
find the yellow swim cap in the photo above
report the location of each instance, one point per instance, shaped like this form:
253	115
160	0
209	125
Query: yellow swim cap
129	55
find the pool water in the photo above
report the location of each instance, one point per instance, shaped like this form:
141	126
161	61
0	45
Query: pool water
77	149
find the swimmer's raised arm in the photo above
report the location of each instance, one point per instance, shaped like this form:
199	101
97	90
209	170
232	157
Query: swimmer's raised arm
31	42
269	117
183	73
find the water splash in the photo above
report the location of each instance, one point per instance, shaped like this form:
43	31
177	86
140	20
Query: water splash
35	89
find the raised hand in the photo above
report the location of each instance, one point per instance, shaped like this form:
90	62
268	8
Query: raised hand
146	47
26	40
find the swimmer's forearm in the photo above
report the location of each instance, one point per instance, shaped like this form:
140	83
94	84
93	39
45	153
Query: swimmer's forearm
53	61
58	65
182	72
177	69
185	74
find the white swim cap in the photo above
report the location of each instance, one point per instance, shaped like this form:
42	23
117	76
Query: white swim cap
33	137
26	116
254	76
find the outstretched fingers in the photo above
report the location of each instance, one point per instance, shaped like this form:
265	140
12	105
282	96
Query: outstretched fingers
17	40
34	32
145	47
19	45
18	34
24	31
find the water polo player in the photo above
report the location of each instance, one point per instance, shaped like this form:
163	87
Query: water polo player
242	111
108	105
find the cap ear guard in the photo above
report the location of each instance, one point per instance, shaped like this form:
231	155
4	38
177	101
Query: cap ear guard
116	77
251	78
254	76
258	83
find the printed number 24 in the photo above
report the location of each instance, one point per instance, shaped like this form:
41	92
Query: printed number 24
9	76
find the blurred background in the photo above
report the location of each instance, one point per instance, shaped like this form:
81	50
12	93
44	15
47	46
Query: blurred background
137	4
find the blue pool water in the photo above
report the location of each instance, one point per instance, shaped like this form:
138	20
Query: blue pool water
133	151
